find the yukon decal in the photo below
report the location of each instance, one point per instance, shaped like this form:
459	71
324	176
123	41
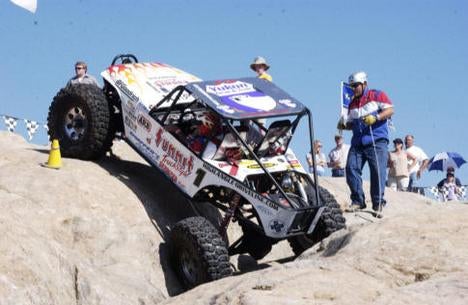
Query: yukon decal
230	88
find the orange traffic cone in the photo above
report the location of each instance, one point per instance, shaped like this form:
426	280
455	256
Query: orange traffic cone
55	159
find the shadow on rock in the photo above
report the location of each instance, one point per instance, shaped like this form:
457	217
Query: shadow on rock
163	202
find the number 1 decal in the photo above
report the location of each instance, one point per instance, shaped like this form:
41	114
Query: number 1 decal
200	174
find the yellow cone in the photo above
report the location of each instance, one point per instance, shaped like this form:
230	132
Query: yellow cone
55	159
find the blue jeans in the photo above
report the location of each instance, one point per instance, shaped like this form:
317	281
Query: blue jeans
412	181
357	158
338	172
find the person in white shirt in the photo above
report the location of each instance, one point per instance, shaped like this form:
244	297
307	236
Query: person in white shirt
422	161
319	158
338	157
82	76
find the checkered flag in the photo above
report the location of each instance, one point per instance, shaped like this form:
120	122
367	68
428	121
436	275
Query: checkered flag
10	123
47	131
31	127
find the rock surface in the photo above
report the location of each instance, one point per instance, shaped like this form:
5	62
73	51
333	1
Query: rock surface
94	233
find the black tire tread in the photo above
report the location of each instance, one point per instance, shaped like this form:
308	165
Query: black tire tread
330	221
99	137
210	246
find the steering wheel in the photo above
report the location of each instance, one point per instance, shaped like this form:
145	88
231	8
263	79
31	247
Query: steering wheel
186	125
183	115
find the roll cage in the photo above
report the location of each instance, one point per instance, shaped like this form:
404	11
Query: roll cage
162	114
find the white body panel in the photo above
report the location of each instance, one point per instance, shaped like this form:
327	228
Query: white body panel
141	86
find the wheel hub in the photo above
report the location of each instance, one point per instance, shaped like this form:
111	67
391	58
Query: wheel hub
75	123
189	266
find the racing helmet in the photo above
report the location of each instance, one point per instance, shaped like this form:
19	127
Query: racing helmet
210	124
357	77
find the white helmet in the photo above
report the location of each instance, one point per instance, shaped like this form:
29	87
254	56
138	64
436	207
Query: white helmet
358	77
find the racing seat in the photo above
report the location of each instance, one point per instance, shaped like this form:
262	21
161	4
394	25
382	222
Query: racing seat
230	143
276	139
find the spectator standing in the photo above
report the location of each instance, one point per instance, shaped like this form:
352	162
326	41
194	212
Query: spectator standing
398	175
338	157
260	66
319	158
422	161
367	117
82	76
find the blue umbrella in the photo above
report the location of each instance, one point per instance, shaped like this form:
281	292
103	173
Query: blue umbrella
443	160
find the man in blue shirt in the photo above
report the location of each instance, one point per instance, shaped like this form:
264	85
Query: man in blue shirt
367	117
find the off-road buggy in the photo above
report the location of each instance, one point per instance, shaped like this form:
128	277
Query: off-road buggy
250	176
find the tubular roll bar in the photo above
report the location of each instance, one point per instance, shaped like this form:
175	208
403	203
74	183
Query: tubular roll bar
307	112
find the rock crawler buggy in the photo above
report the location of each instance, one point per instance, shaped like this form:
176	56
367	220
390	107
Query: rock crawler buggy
241	171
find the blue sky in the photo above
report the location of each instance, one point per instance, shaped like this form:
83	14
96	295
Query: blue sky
416	51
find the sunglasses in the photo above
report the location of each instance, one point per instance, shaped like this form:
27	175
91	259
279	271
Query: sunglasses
355	85
79	68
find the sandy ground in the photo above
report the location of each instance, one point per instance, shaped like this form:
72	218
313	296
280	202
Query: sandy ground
94	233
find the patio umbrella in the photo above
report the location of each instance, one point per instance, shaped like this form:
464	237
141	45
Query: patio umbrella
443	160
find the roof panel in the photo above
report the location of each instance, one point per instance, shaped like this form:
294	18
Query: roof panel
245	98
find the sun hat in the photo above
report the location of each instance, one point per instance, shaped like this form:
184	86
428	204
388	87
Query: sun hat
259	61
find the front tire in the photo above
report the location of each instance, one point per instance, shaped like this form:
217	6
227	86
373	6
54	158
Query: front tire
79	118
330	221
198	253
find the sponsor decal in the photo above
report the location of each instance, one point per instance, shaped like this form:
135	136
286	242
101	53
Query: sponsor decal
143	148
144	122
251	102
294	163
229	88
288	103
241	96
129	93
130	123
239	186
174	160
276	225
264	210
226	109
266	165
131	115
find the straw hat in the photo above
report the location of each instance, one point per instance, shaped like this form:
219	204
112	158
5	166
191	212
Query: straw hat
259	61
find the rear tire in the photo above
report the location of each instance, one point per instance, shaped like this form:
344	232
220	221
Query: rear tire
79	117
330	221
198	253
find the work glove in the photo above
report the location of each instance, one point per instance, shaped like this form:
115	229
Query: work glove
341	125
369	119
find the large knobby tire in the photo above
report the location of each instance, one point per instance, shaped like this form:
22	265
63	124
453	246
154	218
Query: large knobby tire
198	252
79	117
330	221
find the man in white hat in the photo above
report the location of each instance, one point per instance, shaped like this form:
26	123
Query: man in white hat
368	116
260	66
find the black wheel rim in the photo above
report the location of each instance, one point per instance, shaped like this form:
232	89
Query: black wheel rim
75	123
188	266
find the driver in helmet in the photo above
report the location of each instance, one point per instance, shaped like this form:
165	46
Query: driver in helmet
206	135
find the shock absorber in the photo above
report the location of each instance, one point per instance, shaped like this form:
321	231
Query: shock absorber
233	205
